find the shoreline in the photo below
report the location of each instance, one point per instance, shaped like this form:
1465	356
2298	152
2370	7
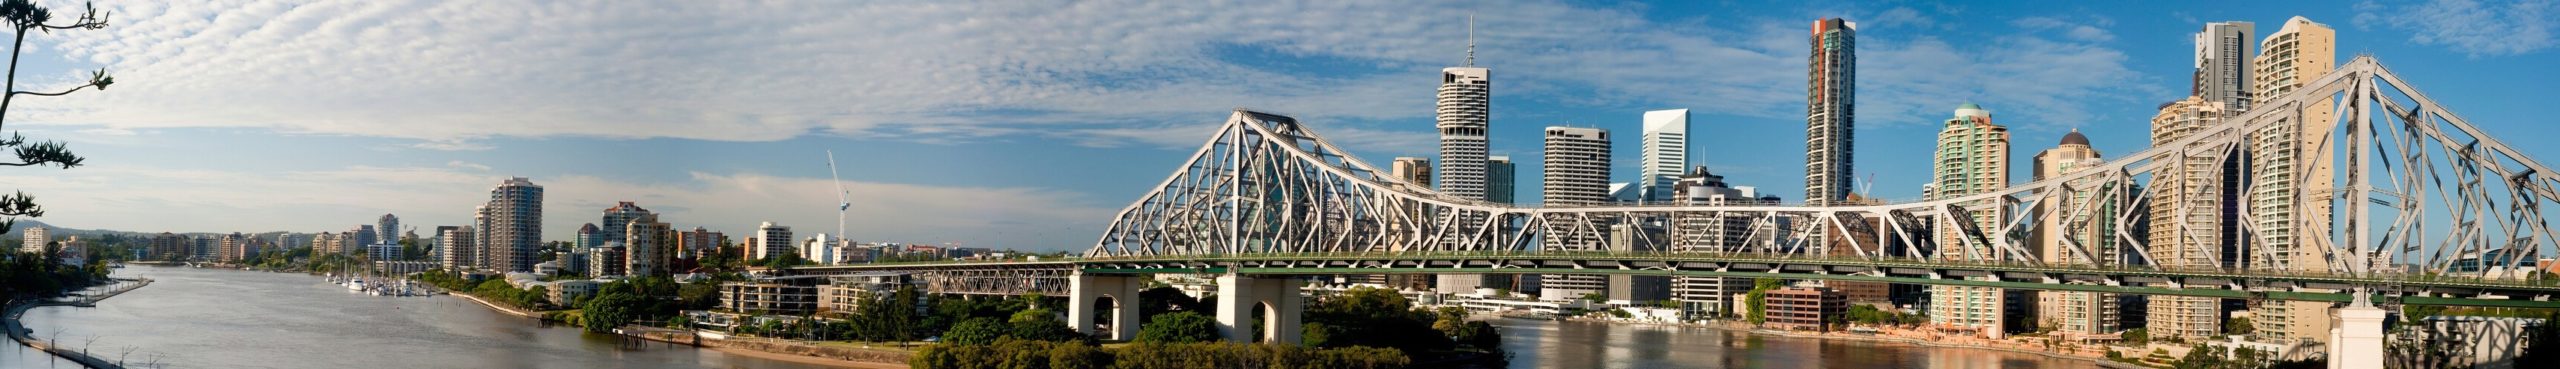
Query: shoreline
17	331
724	349
2101	361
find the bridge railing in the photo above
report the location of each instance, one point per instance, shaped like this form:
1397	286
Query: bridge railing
2539	280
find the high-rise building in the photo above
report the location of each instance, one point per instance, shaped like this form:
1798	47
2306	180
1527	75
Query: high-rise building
589	236
697	242
770	240
2290	197
1465	103
1666	154
388	230
607	259
1830	112
1973	158
617	220
233	248
461	251
2186	219
2223	54
649	244
2079	229
1577	174
1412	170
169	246
512	221
1416	172
33	239
206	247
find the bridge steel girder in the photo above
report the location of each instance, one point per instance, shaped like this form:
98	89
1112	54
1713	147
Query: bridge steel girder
2422	194
994	279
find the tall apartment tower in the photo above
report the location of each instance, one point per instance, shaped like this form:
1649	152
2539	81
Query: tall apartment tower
649	246
2224	51
617	220
1577	174
2293	175
1830	112
1665	154
456	249
2186	218
770	240
2078	230
1973	157
513	226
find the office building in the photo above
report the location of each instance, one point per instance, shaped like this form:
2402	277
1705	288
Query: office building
1665	155
362	235
1694	232
510	226
1803	308
1465	99
589	236
1501	180
1416	172
2078	228
2294	178
2223	60
650	245
1638	237
1577	174
771	240
388	230
2186	230
1973	158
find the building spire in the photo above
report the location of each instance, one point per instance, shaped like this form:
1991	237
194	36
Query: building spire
1471	39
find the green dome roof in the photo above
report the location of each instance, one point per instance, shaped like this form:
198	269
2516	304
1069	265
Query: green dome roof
1969	106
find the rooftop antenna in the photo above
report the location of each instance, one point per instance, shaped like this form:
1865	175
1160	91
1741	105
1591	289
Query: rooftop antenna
1471	39
843	204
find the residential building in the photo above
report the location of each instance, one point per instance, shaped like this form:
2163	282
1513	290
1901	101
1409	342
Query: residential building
1665	154
169	246
650	244
1803	308
2187	231
697	242
234	248
844	293
608	260
822	249
589	236
567	292
2290	199
617	221
795	295
34	238
388	230
206	248
1830	116
770	240
2079	228
2223	61
511	226
461	250
1577	174
1973	158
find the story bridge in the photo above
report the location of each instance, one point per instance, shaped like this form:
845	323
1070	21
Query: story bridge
2422	208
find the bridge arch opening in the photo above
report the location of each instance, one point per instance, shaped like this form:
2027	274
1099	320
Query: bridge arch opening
1105	311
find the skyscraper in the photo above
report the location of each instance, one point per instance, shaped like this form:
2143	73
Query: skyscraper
1577	174
1501	180
513	219
770	240
1973	158
454	247
1830	112
2293	178
2223	53
1666	153
1464	101
1694	232
617	221
2186	220
2078	230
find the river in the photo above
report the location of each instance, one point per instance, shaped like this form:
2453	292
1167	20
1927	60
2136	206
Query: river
202	318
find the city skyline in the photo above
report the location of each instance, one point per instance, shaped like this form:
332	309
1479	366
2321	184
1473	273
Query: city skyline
1040	183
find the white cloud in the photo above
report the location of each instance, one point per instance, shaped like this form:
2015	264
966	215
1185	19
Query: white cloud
2467	26
449	73
458	164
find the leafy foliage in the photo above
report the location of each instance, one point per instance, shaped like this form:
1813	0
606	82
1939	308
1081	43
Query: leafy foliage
24	16
1013	353
1180	327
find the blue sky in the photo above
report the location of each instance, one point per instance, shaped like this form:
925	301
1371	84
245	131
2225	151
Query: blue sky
1027	124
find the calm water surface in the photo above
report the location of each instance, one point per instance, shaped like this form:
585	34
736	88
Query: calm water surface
202	318
199	318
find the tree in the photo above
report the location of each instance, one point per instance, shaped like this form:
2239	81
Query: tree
24	16
1757	299
2239	326
2137	336
1179	327
976	331
608	310
2541	344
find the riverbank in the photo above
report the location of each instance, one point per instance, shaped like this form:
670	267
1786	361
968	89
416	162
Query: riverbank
9	321
494	306
775	349
2100	360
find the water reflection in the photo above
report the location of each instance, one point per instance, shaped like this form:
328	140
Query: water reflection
1548	344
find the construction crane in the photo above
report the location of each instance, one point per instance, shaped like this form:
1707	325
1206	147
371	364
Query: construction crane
843	198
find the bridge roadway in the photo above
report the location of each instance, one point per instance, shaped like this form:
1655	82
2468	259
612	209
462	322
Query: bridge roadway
1052	277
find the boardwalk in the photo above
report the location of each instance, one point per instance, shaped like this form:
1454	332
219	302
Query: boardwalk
24	336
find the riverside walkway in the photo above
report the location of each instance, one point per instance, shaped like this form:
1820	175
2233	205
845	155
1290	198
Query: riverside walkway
19	332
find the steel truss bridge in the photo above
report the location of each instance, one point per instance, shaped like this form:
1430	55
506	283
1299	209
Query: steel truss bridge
2426	209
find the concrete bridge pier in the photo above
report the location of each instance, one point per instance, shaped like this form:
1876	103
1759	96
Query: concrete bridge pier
1092	295
2357	340
1239	297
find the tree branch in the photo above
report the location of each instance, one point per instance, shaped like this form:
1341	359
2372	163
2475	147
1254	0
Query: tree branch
64	92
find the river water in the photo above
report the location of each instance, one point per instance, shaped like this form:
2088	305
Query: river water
201	318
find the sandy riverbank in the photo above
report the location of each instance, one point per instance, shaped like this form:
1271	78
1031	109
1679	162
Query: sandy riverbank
494	306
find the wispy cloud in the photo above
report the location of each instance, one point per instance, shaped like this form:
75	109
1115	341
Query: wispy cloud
2471	27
